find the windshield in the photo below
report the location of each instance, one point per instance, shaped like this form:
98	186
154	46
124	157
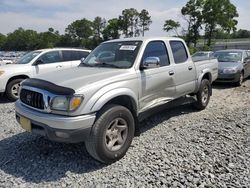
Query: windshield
28	57
114	55
228	56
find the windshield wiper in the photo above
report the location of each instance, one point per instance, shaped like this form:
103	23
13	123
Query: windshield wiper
85	65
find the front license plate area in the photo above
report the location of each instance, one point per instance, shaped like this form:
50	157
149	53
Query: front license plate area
25	124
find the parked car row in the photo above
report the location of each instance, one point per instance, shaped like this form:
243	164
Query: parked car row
234	65
101	101
10	57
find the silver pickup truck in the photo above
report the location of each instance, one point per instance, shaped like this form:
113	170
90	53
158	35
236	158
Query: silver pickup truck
100	101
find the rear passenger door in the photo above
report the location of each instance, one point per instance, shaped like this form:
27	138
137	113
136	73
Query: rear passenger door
185	72
49	61
157	85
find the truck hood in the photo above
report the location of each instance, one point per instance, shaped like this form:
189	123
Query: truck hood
81	77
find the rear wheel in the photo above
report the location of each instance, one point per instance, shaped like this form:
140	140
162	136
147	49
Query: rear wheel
203	95
12	90
239	83
111	134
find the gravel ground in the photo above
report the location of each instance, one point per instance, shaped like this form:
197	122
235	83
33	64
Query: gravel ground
179	147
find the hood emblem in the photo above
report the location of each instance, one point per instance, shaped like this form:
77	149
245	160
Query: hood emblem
28	98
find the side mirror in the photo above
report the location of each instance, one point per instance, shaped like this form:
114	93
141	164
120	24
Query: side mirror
38	62
151	62
82	59
247	60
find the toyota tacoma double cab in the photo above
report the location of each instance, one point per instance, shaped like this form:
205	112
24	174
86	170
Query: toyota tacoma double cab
100	101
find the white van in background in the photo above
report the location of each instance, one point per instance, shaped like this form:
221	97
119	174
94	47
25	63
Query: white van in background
37	62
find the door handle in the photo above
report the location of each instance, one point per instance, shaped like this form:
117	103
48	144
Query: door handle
190	68
171	73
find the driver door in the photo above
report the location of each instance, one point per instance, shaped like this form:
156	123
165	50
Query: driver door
157	85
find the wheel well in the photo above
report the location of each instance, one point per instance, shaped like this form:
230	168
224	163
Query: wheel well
125	101
129	103
207	76
17	77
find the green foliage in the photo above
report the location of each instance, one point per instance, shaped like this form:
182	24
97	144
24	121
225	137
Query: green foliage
218	13
192	13
80	33
80	29
144	21
129	22
171	25
2	41
111	31
22	39
192	50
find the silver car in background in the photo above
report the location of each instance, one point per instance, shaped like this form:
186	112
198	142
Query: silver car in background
202	55
234	66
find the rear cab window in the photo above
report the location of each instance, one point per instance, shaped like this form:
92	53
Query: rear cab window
179	51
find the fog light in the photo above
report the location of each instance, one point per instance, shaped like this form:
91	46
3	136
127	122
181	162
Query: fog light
62	134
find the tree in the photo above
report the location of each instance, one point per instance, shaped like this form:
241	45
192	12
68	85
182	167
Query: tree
22	39
80	32
171	25
129	22
2	40
98	26
80	29
219	14
144	21
111	31
192	13
49	39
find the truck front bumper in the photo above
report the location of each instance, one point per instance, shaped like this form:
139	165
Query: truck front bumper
55	127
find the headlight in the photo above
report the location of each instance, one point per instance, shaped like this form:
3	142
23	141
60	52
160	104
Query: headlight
65	103
1	72
230	71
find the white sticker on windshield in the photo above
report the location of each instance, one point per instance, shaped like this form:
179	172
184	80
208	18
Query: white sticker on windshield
128	47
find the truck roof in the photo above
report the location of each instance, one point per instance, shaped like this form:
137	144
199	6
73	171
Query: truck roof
144	39
51	49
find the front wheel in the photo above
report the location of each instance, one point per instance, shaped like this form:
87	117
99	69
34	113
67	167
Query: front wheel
241	79
111	134
203	95
12	89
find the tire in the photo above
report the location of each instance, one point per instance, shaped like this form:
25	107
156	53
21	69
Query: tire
203	95
111	135
239	83
12	89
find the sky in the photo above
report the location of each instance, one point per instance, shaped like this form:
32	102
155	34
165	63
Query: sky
39	15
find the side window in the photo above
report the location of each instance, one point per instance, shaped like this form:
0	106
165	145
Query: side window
66	55
70	55
157	49
83	54
245	55
179	52
51	57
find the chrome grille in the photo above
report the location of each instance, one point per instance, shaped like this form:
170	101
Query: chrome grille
32	98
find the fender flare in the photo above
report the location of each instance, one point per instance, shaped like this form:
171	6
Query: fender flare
106	97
